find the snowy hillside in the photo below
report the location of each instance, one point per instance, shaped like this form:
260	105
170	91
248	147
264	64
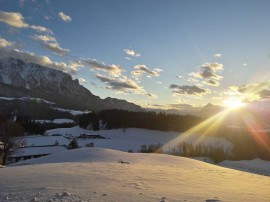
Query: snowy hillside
255	166
97	175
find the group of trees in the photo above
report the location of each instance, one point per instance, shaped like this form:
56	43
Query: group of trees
35	109
218	154
184	149
148	120
33	127
243	149
249	144
11	138
152	148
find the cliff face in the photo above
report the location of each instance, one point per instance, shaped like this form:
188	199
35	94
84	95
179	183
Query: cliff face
19	78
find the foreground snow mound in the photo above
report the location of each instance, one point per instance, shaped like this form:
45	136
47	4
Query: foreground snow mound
97	175
255	166
109	156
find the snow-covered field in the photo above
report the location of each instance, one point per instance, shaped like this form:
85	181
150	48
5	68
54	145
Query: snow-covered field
95	174
56	121
73	112
133	138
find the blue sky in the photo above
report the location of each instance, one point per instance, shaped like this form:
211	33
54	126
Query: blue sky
148	52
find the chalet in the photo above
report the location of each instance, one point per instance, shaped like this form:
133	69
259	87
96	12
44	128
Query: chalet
34	152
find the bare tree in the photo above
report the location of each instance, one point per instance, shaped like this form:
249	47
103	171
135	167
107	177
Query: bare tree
11	138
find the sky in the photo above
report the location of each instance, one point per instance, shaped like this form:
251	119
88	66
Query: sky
158	54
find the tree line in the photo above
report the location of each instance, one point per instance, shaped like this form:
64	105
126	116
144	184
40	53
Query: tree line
112	119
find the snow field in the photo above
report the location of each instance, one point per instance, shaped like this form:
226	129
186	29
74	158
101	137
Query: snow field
96	175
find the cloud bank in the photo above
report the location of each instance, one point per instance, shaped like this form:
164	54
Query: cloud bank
188	90
16	20
252	92
50	43
210	73
142	69
113	70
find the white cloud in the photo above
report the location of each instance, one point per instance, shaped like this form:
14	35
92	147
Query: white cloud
4	43
124	85
158	70
121	84
209	72
44	38
218	55
142	69
64	17
192	80
113	70
82	80
13	19
54	47
17	20
251	92
41	29
188	90
244	64
132	53
50	43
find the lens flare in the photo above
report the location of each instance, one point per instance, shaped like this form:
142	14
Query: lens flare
234	103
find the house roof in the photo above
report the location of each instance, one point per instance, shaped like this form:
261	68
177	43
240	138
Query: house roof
31	151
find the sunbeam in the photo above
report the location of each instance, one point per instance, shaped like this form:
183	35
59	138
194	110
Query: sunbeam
207	127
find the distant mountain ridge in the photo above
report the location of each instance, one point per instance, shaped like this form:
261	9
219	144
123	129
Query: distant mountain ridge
20	78
210	110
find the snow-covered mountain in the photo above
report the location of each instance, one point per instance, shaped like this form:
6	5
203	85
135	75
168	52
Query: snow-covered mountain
20	78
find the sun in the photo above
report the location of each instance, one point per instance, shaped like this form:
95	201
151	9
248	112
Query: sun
234	103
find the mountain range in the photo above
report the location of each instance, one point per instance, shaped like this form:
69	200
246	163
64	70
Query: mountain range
19	78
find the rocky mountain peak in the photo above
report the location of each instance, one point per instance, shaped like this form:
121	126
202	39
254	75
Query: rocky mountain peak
20	77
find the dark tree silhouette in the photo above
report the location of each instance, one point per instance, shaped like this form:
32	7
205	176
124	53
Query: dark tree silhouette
11	138
73	144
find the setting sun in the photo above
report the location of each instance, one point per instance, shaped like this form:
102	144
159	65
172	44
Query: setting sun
234	103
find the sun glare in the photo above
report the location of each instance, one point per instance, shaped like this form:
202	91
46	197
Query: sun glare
234	103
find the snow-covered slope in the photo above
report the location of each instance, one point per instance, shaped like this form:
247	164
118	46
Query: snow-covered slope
255	166
28	75
97	175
